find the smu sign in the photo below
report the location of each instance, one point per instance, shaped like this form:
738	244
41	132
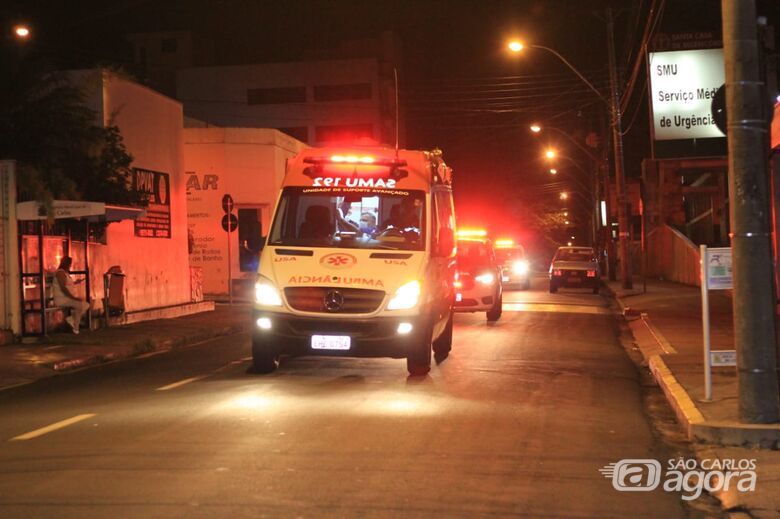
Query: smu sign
682	85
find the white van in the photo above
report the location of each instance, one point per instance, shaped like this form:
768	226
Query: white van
359	260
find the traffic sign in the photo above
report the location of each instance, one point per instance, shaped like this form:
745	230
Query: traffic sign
232	220
227	203
718	268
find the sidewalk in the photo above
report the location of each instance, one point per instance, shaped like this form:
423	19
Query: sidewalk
666	323
24	363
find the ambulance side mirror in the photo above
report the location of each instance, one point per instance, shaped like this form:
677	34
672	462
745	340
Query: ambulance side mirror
445	243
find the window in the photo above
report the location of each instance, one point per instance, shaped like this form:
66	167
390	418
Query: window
390	220
299	132
274	96
169	45
347	133
342	92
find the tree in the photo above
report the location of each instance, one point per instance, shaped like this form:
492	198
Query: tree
61	149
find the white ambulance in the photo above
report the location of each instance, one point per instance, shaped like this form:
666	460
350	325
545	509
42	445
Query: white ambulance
359	260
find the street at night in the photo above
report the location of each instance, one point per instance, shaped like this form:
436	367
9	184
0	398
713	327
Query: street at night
517	421
395	258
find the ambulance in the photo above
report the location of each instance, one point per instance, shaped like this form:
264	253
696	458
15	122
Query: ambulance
359	260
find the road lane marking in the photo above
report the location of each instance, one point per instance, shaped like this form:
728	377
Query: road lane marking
53	427
555	308
180	383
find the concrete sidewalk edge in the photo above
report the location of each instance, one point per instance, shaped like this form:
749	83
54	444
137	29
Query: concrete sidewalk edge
688	415
139	347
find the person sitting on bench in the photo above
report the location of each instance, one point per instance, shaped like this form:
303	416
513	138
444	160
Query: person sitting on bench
65	294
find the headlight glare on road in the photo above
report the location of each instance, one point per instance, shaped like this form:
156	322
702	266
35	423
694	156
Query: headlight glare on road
266	293
486	279
405	297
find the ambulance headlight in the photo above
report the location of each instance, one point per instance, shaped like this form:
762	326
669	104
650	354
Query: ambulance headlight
520	267
266	293
407	296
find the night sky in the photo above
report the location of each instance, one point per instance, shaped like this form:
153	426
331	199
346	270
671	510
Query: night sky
460	88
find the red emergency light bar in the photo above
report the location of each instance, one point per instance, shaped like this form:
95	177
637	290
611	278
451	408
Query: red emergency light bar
355	166
356	160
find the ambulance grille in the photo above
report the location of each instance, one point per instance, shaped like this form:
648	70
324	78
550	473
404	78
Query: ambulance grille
334	300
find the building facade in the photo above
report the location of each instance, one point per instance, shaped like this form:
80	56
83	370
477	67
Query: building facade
317	102
248	164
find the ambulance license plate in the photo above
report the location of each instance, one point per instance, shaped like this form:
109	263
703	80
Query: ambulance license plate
330	342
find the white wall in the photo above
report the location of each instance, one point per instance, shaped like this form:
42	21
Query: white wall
9	253
248	164
151	125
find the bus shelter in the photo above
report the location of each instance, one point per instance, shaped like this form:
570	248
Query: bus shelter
45	237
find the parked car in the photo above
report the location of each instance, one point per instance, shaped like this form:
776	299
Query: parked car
478	286
575	267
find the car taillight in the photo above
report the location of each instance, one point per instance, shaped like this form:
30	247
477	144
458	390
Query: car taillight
591	273
557	273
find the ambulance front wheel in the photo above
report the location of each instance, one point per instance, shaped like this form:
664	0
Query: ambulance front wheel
263	360
418	360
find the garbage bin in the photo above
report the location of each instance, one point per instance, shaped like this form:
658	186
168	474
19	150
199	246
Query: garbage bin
114	290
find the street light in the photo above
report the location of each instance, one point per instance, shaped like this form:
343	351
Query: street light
536	128
564	195
22	32
550	154
613	105
553	171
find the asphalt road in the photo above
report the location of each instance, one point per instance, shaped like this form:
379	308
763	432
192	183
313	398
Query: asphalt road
516	422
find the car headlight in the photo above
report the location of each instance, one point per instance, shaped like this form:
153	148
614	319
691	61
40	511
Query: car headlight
405	297
520	267
486	279
266	293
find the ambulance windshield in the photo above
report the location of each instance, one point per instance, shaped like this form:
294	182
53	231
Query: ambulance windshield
350	218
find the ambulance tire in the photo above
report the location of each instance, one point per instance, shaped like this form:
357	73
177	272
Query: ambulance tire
263	361
418	361
443	344
494	314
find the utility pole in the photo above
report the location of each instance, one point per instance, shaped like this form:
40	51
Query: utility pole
754	301
620	174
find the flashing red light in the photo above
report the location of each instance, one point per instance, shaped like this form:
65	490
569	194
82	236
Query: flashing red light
504	243
557	272
591	274
472	233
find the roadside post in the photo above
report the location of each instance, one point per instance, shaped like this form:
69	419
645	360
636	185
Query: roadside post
715	275
229	223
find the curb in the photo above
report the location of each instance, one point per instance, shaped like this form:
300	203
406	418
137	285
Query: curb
138	348
653	345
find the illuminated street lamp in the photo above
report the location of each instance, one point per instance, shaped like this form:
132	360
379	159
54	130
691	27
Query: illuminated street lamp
572	238
564	195
22	32
553	171
613	105
566	213
515	46
569	244
550	154
566	222
535	128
